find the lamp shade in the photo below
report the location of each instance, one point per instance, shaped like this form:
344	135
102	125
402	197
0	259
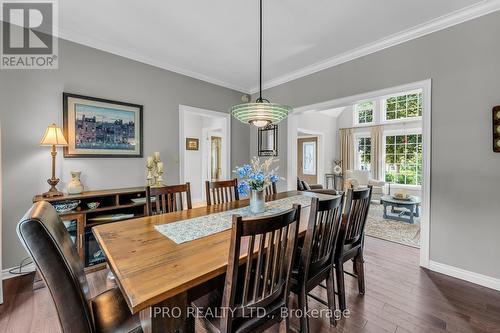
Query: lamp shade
53	137
260	114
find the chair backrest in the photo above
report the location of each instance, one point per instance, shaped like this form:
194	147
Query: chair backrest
221	191
49	244
321	237
263	280
355	214
167	198
270	189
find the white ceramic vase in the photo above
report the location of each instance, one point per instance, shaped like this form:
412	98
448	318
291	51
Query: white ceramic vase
257	202
75	186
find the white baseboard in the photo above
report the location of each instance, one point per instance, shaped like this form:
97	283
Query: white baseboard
462	274
30	268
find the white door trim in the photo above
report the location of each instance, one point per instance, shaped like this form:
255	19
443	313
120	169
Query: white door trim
1	214
183	109
426	86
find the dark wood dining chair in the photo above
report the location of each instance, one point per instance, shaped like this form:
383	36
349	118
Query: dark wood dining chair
256	290
351	240
44	236
270	189
168	199
314	261
218	192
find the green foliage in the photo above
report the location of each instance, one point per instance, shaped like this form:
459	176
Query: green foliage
404	159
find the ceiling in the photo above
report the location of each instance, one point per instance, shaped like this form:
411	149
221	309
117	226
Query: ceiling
217	41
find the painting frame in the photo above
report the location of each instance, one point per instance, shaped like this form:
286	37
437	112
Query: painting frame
192	144
69	127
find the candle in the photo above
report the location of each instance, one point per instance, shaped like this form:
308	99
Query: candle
157	156
160	166
149	161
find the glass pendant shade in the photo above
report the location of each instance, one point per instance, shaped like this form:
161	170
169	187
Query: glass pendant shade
260	114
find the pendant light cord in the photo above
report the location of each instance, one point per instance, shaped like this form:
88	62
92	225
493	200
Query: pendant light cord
260	59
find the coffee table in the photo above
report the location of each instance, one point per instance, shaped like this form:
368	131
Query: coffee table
411	208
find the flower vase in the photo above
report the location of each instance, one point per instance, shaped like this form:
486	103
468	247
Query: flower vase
257	202
75	186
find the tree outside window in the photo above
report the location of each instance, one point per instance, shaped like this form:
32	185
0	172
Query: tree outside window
403	159
404	106
364	112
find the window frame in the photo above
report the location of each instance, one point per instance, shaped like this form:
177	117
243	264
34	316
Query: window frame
356	113
395	132
383	107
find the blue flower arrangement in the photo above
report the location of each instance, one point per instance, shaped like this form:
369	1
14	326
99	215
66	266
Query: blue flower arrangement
257	175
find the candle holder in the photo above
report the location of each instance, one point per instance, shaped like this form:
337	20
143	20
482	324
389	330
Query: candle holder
154	165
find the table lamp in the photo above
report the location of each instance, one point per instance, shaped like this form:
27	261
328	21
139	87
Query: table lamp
53	137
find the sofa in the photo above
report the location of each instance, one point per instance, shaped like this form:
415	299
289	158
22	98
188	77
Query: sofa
315	188
362	178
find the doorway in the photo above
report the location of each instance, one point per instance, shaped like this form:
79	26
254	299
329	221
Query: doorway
401	140
307	159
216	158
211	158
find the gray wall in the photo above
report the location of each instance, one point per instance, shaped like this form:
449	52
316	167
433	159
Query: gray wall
464	64
32	99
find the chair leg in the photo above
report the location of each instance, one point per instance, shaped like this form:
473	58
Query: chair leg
330	292
339	270
359	263
304	321
284	325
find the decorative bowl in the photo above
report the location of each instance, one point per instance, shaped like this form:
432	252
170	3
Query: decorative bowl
65	206
93	205
401	196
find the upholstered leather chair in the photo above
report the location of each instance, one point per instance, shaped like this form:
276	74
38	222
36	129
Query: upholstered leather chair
49	244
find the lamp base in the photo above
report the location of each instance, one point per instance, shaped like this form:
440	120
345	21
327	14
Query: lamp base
53	192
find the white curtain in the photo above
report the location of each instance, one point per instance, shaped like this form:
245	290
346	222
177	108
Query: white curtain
346	150
376	146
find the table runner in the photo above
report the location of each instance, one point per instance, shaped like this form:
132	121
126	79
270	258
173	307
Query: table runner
198	227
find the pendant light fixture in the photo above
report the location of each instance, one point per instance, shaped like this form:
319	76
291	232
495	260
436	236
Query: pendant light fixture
261	113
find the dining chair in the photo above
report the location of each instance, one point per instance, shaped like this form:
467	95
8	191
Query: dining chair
257	290
314	260
44	236
350	243
270	189
218	192
167	199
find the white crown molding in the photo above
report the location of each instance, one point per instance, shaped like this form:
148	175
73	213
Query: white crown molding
480	279
459	16
106	46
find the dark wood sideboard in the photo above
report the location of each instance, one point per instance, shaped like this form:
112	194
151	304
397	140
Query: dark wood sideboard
114	205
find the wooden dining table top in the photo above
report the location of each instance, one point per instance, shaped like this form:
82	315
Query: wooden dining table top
150	268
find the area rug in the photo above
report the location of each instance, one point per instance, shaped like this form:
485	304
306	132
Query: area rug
394	231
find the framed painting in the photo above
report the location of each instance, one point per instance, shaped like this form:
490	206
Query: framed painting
192	144
496	129
96	127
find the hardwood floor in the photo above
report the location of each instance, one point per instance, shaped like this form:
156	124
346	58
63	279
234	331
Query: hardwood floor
400	297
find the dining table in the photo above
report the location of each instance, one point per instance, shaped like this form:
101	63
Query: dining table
158	277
